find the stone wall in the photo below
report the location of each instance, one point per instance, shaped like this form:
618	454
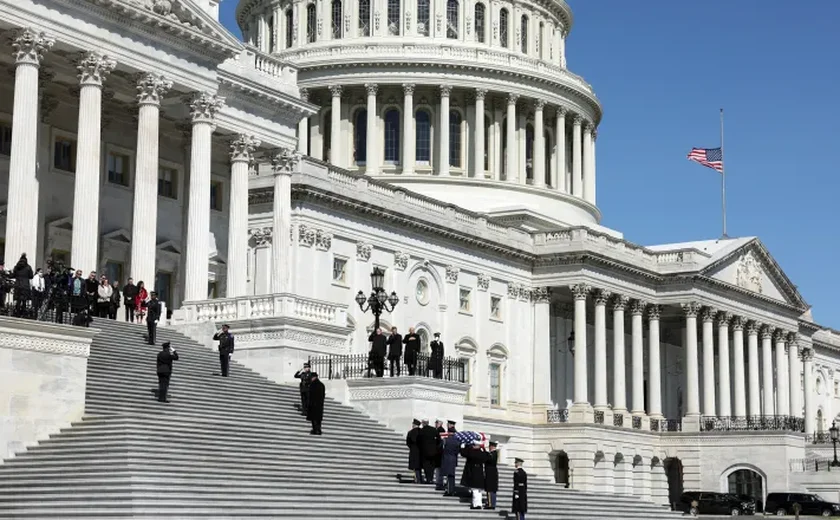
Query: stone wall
43	368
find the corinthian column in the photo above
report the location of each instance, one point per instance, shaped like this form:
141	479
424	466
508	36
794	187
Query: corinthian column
443	142
577	158
794	369
767	370
22	201
241	154
372	136
409	141
723	361
601	298
782	396
619	380
752	360
150	89
303	126
558	182
581	384
654	368
511	163
740	390
587	162
283	165
336	143
709	363
539	144
807	356
93	69
203	109
478	159
692	392
542	346
637	357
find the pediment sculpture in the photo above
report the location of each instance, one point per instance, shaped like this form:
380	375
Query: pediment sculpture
749	272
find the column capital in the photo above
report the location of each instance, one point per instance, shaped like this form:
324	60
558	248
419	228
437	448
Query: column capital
723	318
445	90
709	314
512	99
654	312
150	88
578	120
480	93
779	335
637	308
752	328
594	134
579	291
562	111
806	354
94	68
304	93
408	89
372	89
204	106
602	296
260	236
793	338
336	90
539	104
691	309
588	126
30	46
242	148
541	295
620	302
738	323
766	332
285	162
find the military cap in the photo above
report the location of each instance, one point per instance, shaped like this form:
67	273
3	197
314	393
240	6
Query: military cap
415	422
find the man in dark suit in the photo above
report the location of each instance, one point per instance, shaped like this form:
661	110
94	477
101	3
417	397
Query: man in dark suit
225	339
439	457
378	350
164	371
429	441
412	350
415	459
153	311
520	491
317	396
395	350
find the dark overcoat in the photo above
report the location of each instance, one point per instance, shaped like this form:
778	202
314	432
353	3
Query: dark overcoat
473	475
429	440
395	346
412	347
317	394
491	472
520	492
436	356
439	457
378	347
450	455
412	441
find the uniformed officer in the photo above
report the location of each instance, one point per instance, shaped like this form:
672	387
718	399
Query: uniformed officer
520	491
225	339
415	458
436	357
305	376
491	475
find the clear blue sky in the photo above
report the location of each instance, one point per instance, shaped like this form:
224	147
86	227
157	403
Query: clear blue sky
663	69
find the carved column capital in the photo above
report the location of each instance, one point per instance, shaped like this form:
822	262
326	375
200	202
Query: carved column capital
260	236
541	295
513	99
738	323
242	148
766	332
752	328
637	308
372	89
539	104
580	291
602	296
336	90
654	312
304	93
408	89
94	68
779	335
723	318
709	314
562	111
151	88
578	120
480	93
29	46
285	162
620	302
445	90
691	309
204	106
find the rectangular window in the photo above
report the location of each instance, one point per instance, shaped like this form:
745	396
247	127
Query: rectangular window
364	17
423	9
339	270
464	297
114	271
5	139
423	149
118	168
168	182
163	286
290	28
216	195
212	290
496	307
467	367
393	17
495	384
64	154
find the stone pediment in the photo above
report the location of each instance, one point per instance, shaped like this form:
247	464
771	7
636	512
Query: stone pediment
122	236
751	268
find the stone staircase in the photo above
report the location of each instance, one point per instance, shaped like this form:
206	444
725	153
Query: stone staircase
236	448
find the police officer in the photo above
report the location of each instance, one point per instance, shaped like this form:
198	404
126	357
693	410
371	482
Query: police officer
225	339
491	475
153	311
436	357
449	464
164	371
305	376
520	491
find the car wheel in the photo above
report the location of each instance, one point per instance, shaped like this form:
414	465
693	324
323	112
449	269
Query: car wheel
735	512
781	512
694	511
827	512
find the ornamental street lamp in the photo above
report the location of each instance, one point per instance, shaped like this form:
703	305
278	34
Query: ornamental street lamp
379	300
834	432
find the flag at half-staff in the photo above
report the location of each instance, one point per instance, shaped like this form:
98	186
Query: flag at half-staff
708	157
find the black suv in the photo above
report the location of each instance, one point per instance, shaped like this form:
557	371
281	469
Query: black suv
782	504
715	504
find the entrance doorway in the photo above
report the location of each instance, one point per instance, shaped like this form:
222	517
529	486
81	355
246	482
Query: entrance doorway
674	474
748	483
561	469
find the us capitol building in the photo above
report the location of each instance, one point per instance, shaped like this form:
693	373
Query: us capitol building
446	142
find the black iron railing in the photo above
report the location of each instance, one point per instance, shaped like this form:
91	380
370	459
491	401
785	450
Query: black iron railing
812	465
599	417
637	423
557	416
618	419
818	438
359	366
756	423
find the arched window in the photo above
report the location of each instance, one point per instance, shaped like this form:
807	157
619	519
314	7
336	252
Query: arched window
336	19
272	37
488	128
290	28
423	17
392	135
455	139
452	19
529	152
327	149
746	482
479	22
364	17
524	31
424	136
503	28
360	136
393	17
311	20
540	40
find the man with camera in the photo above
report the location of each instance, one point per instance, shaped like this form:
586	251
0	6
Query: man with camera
225	339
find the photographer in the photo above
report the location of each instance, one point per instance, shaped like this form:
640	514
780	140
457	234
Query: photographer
225	339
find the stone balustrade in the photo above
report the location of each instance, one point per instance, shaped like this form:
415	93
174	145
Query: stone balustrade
262	306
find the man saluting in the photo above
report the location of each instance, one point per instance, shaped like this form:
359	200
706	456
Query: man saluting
520	491
225	339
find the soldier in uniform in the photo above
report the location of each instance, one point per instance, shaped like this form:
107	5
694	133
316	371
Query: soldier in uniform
225	339
305	376
153	311
449	464
164	371
317	396
436	357
429	441
439	457
491	475
520	491
412	440
473	475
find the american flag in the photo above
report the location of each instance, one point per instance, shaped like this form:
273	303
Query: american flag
709	157
468	437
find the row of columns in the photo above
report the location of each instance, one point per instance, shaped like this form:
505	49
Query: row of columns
580	184
94	68
781	395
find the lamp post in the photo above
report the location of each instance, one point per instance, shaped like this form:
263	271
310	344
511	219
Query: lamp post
379	300
834	432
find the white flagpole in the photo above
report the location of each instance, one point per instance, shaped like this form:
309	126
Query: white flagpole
722	177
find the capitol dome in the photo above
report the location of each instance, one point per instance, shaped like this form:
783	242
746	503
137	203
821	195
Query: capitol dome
476	77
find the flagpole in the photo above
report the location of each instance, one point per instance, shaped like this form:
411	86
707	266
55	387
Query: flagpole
722	177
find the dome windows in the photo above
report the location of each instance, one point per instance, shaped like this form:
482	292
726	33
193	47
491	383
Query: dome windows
392	136
455	139
364	17
423	17
311	20
360	136
452	19
393	17
503	28
524	34
423	141
479	23
290	27
336	20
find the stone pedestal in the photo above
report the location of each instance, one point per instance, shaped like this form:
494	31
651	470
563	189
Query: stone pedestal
395	401
581	413
691	423
43	368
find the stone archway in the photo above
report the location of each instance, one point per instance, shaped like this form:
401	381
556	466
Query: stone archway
658	482
623	480
674	478
639	478
748	480
561	469
601	474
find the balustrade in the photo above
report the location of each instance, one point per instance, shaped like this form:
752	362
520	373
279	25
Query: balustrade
557	416
754	423
263	306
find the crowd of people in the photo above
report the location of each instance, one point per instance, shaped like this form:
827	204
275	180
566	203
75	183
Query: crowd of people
402	350
433	454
